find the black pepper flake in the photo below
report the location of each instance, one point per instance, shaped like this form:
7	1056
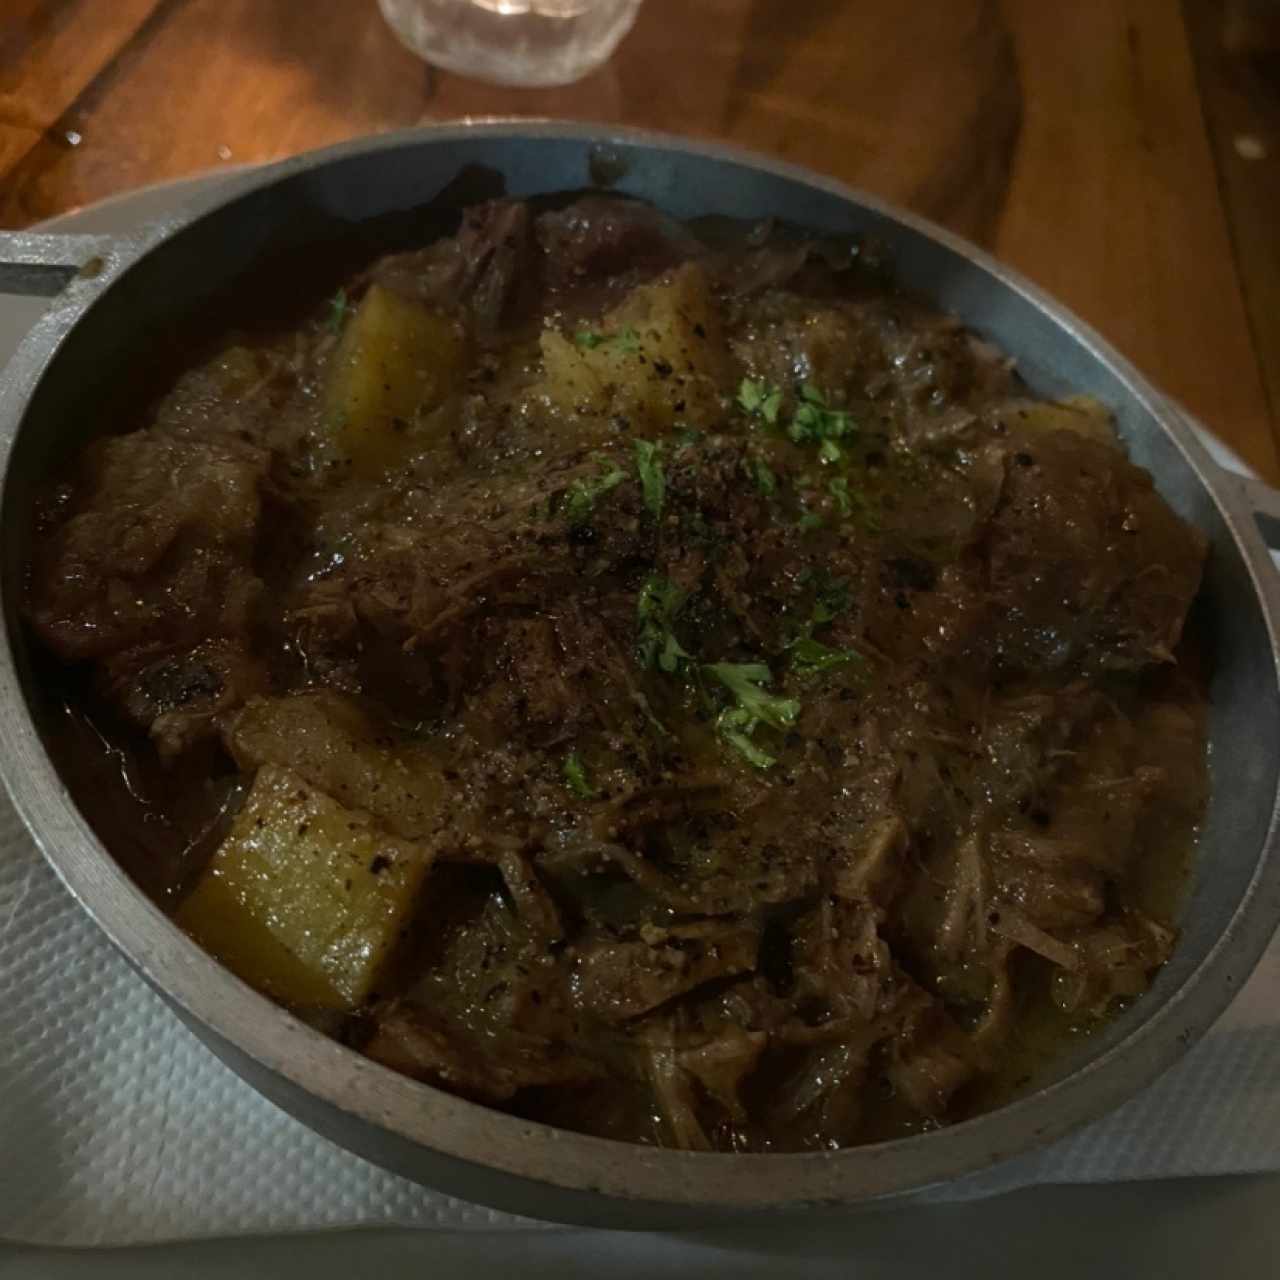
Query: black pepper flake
379	864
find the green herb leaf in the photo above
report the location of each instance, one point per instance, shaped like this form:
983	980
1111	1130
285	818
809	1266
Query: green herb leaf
831	600
754	705
811	657
851	502
626	341
653	481
760	399
687	437
746	681
763	476
815	422
582	495
657	608
338	308
575	774
729	724
750	394
809	521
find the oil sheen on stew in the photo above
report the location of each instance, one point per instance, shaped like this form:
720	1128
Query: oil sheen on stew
660	680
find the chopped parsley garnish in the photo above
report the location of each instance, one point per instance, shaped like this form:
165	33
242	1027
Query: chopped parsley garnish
657	608
338	308
687	437
811	657
653	482
832	598
808	521
582	495
760	399
851	502
627	340
575	774
762	474
815	422
734	726
753	706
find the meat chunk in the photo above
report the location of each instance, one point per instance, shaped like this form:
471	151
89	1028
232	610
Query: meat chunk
179	697
1086	559
825	1093
722	1064
930	1060
153	545
410	1040
872	870
843	969
488	268
602	236
1047	878
674	1095
1116	961
621	980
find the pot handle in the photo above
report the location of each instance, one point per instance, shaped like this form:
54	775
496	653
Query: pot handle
1263	503
37	264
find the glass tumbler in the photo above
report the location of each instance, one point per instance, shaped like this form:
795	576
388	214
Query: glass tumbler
516	42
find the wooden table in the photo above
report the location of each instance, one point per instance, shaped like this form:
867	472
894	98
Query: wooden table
1110	149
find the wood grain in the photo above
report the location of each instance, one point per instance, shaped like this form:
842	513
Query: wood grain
1068	137
1240	88
49	53
921	104
1114	207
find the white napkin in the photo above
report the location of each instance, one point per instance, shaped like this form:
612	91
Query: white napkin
117	1125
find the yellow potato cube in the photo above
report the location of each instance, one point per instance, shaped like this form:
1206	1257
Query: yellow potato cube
330	742
305	899
1082	414
658	357
395	363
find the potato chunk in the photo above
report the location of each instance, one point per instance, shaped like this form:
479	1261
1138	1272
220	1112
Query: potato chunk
396	362
328	740
659	356
1082	414
305	899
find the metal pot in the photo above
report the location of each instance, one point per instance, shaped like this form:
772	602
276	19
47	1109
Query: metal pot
112	295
